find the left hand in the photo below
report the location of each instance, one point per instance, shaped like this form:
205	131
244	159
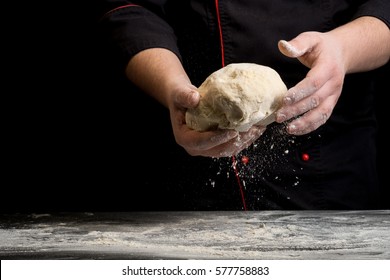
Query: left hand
313	99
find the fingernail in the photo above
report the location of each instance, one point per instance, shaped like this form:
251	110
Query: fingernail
232	133
292	128
281	117
287	100
291	49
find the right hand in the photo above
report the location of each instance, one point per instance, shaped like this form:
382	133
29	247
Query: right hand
160	73
216	143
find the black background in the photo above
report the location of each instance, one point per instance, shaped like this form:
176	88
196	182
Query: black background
78	137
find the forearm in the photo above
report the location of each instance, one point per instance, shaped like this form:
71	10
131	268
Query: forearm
157	72
365	44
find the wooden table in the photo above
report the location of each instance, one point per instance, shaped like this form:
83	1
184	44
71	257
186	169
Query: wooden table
197	235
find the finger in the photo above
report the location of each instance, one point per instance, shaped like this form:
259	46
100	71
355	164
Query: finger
210	139
291	108
307	104
307	122
229	137
223	150
302	90
230	147
313	119
252	134
246	139
314	81
313	110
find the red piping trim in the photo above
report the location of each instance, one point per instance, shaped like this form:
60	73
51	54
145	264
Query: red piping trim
220	32
234	160
120	7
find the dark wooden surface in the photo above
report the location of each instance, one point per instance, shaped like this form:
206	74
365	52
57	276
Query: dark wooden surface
197	235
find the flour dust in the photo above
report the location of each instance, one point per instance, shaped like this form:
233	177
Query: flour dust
272	168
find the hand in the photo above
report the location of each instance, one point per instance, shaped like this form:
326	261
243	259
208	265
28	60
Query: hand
217	143
312	100
160	73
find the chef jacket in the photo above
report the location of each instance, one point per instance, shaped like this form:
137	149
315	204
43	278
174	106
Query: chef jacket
333	167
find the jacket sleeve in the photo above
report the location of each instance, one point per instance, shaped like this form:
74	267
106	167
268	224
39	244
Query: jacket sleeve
376	8
133	26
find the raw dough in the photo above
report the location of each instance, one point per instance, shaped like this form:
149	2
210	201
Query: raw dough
237	97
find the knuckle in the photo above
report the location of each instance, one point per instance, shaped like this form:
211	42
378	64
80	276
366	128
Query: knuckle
315	101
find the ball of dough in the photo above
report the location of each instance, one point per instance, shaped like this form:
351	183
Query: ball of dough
237	97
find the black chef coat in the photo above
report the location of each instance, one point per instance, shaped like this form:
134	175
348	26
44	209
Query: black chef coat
334	167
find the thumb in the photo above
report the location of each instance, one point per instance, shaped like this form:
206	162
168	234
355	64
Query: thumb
291	48
189	98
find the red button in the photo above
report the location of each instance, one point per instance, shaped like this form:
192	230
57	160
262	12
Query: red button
245	160
305	157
